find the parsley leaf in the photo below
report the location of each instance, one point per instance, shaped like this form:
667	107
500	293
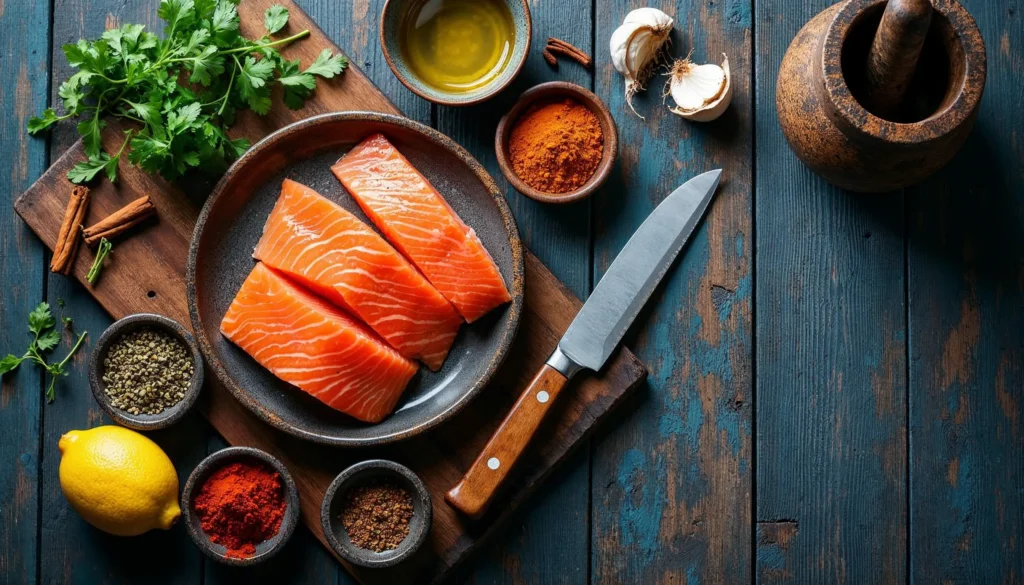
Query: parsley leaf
275	18
9	363
45	338
182	92
38	124
40	319
326	65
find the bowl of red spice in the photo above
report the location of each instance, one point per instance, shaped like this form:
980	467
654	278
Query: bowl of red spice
376	513
241	506
558	143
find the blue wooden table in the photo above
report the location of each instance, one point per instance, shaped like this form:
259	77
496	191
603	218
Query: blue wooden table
836	380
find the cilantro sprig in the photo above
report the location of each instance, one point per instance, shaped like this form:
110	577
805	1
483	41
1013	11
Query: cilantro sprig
182	92
45	338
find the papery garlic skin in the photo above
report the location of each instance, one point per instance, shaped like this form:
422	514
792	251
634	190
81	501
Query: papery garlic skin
634	47
702	93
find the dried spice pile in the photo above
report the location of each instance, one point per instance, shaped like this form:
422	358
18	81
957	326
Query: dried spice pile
240	506
557	146
377	515
147	371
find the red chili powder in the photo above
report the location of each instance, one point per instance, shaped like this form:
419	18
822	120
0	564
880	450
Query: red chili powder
241	505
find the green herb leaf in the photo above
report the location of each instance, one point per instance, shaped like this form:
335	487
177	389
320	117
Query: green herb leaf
40	319
92	134
38	124
224	24
48	340
86	170
328	65
275	18
68	322
9	363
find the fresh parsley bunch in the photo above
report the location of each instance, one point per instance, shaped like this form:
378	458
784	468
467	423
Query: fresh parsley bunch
45	338
183	92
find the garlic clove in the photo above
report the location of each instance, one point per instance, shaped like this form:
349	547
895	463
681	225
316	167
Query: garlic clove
701	92
635	46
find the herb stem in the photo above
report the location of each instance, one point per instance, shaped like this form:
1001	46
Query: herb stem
97	264
231	82
251	48
78	343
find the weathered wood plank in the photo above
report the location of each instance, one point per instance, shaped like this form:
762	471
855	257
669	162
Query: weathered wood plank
547	541
671	484
831	343
71	550
23	85
966	291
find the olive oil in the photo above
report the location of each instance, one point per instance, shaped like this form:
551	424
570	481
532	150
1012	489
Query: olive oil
457	46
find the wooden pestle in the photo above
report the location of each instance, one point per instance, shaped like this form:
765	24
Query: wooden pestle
894	54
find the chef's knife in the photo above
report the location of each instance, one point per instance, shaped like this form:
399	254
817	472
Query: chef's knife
592	336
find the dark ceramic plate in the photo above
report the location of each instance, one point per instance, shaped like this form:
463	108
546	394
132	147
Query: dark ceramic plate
232	221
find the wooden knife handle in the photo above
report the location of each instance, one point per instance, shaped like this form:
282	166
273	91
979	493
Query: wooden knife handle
474	492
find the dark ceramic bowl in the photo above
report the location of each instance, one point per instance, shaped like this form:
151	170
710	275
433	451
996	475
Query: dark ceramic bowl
358	474
547	92
390	19
144	422
206	467
231	224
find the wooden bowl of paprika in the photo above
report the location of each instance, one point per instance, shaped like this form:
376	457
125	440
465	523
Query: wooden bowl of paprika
558	143
240	506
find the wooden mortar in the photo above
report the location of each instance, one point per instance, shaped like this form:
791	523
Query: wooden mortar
824	79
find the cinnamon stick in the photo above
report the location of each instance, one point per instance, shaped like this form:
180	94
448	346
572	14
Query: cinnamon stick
120	221
66	249
550	58
560	47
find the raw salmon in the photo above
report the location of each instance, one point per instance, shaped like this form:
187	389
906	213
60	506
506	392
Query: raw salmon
306	342
419	222
331	252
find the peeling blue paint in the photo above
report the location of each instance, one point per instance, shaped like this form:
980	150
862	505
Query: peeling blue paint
643	501
739	245
738	12
691	575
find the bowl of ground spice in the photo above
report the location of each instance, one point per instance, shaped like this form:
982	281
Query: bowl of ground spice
146	371
376	513
558	143
240	506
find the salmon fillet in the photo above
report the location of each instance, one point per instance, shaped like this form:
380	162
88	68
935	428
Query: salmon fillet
331	252
418	221
308	343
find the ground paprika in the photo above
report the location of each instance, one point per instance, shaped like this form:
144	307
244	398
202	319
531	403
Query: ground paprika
241	505
556	146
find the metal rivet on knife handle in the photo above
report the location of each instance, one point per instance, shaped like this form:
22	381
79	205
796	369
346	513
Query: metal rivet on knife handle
591	337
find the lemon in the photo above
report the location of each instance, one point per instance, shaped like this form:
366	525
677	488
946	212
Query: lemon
118	480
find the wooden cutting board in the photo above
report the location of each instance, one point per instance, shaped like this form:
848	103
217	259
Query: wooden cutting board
146	274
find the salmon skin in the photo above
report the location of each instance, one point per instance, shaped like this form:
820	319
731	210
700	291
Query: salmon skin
335	255
418	221
311	344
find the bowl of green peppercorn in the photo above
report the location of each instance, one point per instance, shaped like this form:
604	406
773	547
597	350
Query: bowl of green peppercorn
146	371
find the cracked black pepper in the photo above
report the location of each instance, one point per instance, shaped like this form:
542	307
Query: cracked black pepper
147	371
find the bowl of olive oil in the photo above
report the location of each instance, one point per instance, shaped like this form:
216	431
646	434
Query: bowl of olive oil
455	52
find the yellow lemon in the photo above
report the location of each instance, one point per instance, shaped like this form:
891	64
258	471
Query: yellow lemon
118	480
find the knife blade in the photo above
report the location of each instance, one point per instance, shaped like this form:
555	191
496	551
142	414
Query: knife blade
591	337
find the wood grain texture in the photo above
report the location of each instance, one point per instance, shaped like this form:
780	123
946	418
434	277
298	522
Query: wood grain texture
548	541
831	402
672	481
151	276
966	291
71	550
485	477
23	74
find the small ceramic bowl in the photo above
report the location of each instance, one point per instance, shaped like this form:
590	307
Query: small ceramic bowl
144	422
206	467
390	20
374	469
554	91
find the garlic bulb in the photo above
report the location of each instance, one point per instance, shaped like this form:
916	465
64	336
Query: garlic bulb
701	92
635	46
